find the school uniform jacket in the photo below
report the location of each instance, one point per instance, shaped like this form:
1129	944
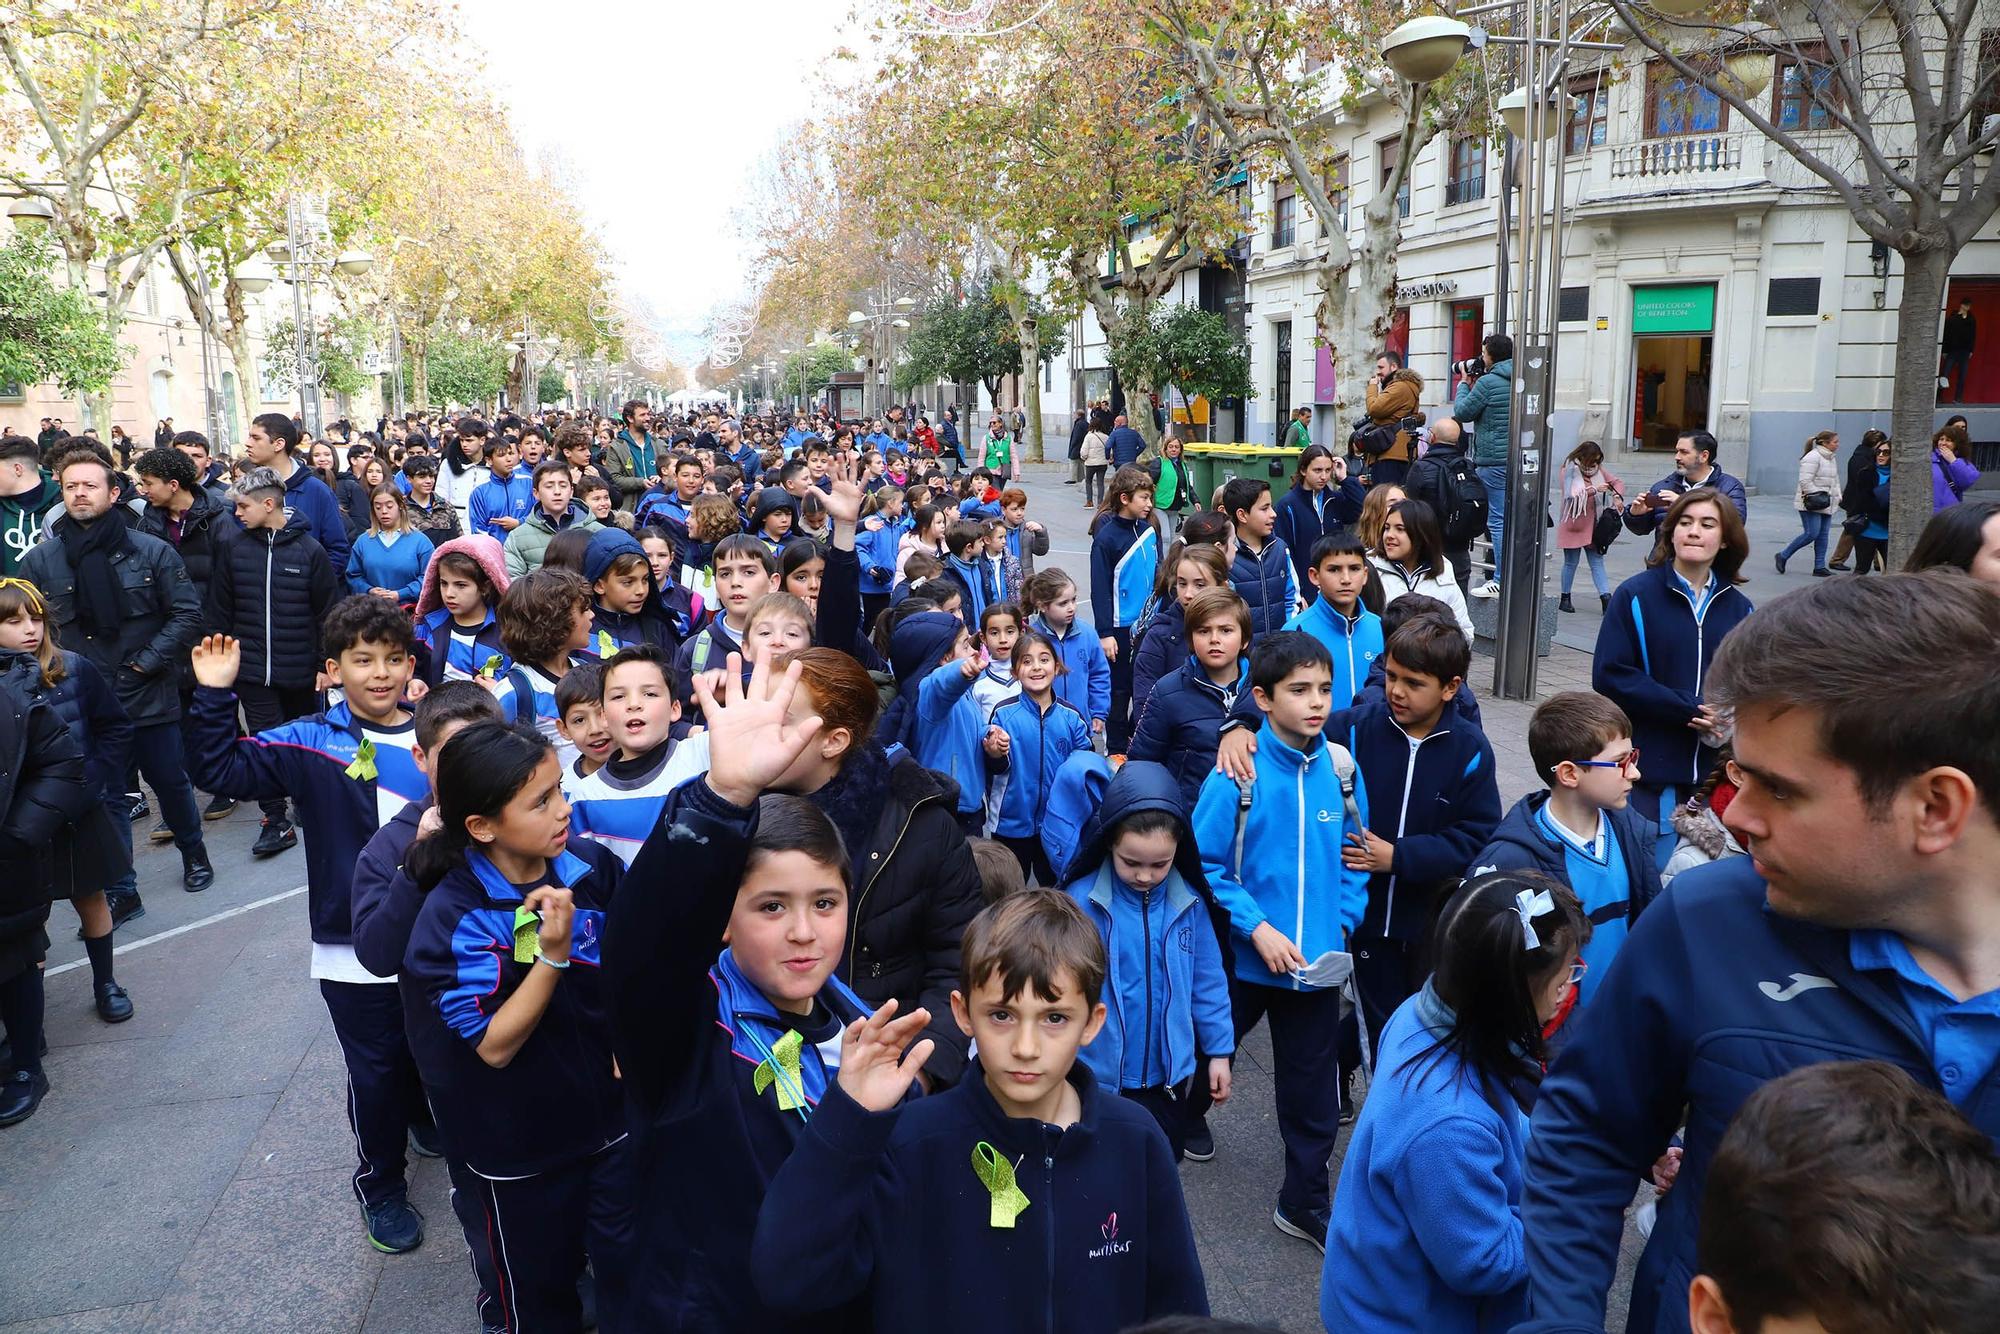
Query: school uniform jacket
434	636
1124	557
496	499
1086	683
1180	725
1158	649
1264	580
1355	643
1304	518
1039	742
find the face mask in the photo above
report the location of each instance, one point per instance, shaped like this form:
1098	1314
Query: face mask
1328	971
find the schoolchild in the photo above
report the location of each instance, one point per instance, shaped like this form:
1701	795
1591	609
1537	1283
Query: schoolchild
498	505
999	631
350	770
618	804
1464	704
926	535
778	623
773	516
1027	739
458	623
1336	618
1050	601
1262	569
431	513
1323	500
682	607
1066	1194
1138	878
965	567
580	721
883	525
625	606
1426	1234
935	664
1269	854
510	1024
1181	723
1583	830
1026	538
744	570
545	628
919	573
1161	645
1124	556
673	497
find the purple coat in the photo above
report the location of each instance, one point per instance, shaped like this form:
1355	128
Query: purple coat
1950	480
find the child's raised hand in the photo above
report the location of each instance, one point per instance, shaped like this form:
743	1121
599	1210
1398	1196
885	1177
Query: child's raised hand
217	658
1218	1079
752	741
1276	949
558	909
874	1069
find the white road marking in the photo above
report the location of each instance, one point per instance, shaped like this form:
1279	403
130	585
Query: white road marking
183	929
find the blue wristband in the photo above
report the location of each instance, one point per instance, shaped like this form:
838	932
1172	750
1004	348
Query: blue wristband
543	958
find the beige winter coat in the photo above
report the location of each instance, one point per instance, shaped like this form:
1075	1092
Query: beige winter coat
1817	472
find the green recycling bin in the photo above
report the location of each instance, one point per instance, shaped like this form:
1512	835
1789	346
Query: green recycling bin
1211	466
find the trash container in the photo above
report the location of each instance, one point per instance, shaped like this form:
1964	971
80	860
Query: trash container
1211	466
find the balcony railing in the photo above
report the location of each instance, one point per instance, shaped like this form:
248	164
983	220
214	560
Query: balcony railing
1685	155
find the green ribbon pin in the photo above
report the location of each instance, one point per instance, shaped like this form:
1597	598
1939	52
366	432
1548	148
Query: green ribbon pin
363	767
997	1175
783	1070
527	935
606	645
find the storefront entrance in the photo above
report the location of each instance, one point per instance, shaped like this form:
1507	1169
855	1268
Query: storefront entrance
1673	351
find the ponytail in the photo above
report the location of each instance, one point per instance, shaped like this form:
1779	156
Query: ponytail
1042	588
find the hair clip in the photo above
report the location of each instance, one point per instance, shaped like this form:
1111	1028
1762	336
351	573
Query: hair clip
1532	903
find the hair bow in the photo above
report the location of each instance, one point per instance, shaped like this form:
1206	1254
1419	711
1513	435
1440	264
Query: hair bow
1532	903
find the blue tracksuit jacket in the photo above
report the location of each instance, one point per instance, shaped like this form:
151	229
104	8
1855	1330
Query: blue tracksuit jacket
1264	580
556	1102
1086	680
1124	557
1039	743
1354	643
386	902
1181	724
1289	871
442	650
494	499
875	546
307	759
949	732
1074	798
887	1206
1159	649
1653	654
1713	995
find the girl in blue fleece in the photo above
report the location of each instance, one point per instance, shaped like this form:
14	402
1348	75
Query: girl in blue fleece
1027	740
1050	601
1426	1230
935	666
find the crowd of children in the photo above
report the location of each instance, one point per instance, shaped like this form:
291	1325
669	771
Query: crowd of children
598	819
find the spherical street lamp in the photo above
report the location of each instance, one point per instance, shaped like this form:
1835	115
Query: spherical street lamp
1427	47
354	263
254	274
30	213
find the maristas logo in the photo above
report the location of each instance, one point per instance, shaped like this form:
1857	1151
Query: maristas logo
1112	1246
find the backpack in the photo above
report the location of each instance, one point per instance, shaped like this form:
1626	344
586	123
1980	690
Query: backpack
1371	439
1453	489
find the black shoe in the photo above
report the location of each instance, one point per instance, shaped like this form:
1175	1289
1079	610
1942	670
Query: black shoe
1840	565
1565	604
1604	602
160	833
124	908
21	1095
113	1005
218	808
424	1142
1306	1227
1823	572
140	810
394	1226
196	873
1200	1145
276	836
1779	558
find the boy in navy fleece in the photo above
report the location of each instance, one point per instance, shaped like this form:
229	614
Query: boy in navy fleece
1006	1198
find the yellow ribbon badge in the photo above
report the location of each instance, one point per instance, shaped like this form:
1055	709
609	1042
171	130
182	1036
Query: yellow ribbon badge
997	1175
783	1070
363	767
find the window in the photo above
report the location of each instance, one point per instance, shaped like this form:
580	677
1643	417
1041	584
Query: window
1590	114
1792	296
1986	103
1386	153
1467	179
1284	212
1573	305
1803	90
1335	184
1676	106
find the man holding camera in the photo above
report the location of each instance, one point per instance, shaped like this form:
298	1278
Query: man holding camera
1694	465
1484	403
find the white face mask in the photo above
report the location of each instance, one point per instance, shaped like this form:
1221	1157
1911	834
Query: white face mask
1328	971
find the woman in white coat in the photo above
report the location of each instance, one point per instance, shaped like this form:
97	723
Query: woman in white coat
1410	558
1819	488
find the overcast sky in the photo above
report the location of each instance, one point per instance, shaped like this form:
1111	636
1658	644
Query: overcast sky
715	83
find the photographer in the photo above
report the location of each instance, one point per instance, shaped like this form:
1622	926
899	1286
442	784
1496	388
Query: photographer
1392	394
1483	403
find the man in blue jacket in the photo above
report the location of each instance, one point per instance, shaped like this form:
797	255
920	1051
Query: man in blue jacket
269	444
1124	445
1694	465
1862	926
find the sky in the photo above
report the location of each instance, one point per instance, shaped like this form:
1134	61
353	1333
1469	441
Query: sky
714	84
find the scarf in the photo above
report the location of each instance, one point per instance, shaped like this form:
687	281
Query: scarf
853	798
101	605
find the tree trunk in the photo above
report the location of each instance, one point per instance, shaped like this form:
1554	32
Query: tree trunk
1913	406
420	371
1028	330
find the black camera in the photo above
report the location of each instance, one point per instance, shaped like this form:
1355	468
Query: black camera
1470	366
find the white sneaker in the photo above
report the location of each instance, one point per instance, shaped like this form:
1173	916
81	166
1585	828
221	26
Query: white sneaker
1489	589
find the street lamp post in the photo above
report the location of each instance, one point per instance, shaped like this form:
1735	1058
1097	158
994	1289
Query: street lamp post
300	257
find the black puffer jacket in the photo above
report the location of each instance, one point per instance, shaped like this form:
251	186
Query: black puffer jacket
42	790
143	662
915	889
207	530
272	595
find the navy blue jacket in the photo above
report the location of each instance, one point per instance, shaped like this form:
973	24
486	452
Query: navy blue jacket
556	1101
308	495
1652	658
1302	523
1713	995
1124	557
1180	724
385	901
98	721
1520	844
1463	705
1647	521
1124	446
1265	581
1160	648
887	1205
272	590
306	759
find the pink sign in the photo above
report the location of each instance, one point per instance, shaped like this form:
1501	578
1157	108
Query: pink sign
1323	378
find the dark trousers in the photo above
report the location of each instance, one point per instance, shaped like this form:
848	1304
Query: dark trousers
973	822
383	1094
1034	860
1870	553
1093	483
1305	1038
1169	1105
157	753
468	1202
1118	727
1386	973
21	1009
1387	472
872	606
1959	362
266	707
542	1227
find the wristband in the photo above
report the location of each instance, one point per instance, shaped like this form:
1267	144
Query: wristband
559	967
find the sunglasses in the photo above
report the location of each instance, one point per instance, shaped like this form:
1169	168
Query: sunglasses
1628	762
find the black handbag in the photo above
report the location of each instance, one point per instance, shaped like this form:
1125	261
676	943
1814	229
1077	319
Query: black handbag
1818	500
1854	525
1605	531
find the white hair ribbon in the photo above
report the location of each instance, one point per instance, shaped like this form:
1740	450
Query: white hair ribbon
1532	903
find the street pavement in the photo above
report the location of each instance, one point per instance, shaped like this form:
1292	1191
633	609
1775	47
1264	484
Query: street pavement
190	1169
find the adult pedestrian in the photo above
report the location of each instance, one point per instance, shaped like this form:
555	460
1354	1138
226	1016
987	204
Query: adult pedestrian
123	599
1694	466
1096	454
1858	469
1955	348
1868	516
1589	491
1298	429
270	443
1435	478
1484	402
1951	476
1819	482
1173	489
1125	444
1393	394
632	458
1859	928
1658	637
998	449
52	431
948	443
1079	427
1962	537
463	469
29	500
1322	500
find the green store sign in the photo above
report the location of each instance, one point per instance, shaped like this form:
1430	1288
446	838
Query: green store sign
1685	309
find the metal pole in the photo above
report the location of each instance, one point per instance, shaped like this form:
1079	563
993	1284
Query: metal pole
208	395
